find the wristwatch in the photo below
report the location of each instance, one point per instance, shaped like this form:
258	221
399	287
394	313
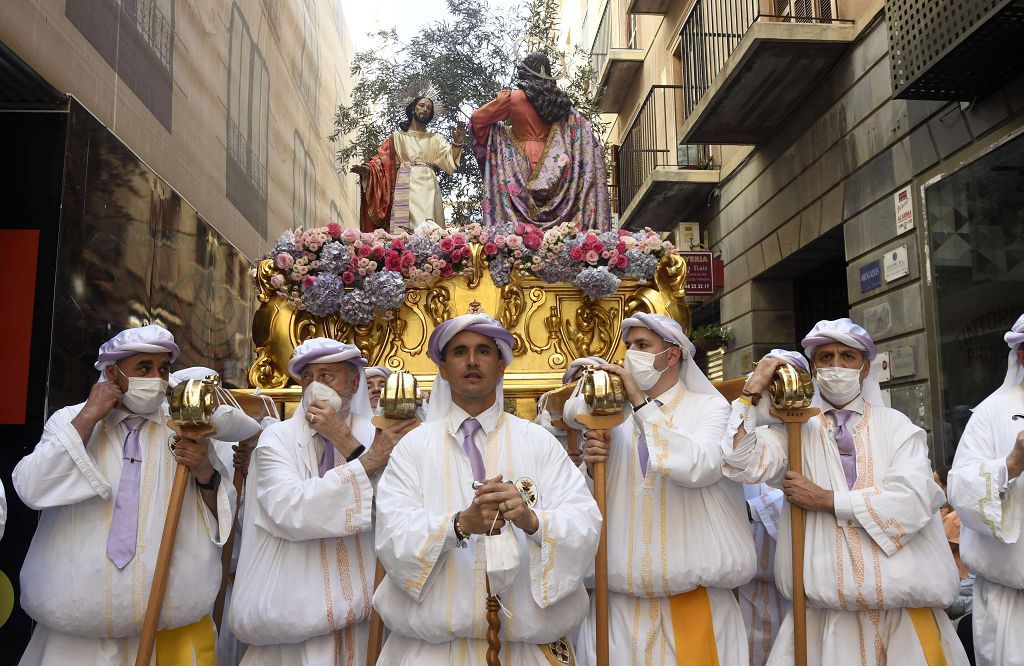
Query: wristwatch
212	484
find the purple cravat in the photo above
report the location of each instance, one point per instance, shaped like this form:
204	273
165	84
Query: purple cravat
641	446
847	450
326	458
469	428
124	523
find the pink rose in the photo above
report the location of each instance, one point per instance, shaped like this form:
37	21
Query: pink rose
378	252
348	277
334	229
490	249
284	261
533	241
620	247
514	242
276	281
624	232
393	262
363	251
446	270
592	257
350	235
521	229
308	281
621	261
576	254
599	246
397	244
606	255
408	259
447	244
499	240
458	239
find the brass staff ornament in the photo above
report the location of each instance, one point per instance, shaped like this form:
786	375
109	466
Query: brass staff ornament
791	388
603	392
400	399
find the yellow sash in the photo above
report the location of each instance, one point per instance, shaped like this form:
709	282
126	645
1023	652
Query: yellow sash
928	634
178	647
693	628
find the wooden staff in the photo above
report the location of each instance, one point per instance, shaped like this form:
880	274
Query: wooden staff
794	420
225	556
163	559
376	640
493	628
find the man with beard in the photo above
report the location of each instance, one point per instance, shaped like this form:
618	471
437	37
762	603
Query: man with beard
399	185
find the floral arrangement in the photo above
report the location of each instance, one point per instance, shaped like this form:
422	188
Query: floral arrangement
328	270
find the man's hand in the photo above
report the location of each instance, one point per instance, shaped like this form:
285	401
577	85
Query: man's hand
459	135
633	392
510	503
360	169
384	443
103	398
1015	461
595	448
800	492
243	453
761	378
332	425
193	451
481	514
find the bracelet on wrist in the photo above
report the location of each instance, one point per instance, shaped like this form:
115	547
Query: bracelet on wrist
460	536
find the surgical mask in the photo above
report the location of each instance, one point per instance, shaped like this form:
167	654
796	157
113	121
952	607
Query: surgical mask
144	394
640	364
575	405
502	559
839	385
325	394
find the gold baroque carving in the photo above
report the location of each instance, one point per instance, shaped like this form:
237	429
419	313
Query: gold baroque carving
439	301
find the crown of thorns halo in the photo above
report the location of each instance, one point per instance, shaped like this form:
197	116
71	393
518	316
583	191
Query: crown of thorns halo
424	88
521	57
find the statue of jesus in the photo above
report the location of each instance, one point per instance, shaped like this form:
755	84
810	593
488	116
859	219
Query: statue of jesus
398	185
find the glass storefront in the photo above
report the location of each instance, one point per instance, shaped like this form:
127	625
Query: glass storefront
975	220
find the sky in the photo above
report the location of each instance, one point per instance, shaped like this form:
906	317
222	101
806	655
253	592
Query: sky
406	16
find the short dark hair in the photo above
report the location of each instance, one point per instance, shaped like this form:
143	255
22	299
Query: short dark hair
410	110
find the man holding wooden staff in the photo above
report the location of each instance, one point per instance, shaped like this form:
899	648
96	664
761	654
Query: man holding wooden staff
305	572
101	477
877	569
472	470
987	490
678	539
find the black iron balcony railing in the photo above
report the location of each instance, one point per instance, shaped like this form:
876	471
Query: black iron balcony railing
617	30
715	27
651	142
154	27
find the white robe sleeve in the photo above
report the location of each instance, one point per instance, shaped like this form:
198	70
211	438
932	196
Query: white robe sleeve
410	538
896	509
562	549
298	509
762	456
689	454
59	471
978	487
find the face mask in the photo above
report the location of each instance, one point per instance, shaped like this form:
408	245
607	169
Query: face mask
378	410
232	424
575	406
502	559
839	385
144	394
325	394
640	364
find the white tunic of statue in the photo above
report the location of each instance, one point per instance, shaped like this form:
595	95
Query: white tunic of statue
681	526
883	551
433	597
88	610
305	572
991	511
760	602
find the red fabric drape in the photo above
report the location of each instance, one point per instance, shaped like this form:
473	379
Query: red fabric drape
376	191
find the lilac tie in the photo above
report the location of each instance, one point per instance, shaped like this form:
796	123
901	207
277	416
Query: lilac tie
469	428
124	523
641	446
847	450
326	458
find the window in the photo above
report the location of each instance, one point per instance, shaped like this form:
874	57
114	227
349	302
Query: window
303	185
307	66
247	124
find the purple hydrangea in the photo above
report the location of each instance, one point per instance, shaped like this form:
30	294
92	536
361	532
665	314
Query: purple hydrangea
641	265
560	269
422	247
322	297
501	270
597	282
333	257
356	308
286	243
386	289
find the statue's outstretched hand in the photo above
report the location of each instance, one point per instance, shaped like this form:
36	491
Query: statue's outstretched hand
459	135
360	169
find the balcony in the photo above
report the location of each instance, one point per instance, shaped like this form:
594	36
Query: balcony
615	57
748	64
660	180
648	6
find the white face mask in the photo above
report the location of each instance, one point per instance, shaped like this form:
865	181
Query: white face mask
232	424
640	364
325	394
144	394
839	385
502	559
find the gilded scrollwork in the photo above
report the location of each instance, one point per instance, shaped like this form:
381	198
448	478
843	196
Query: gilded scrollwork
593	330
511	311
439	302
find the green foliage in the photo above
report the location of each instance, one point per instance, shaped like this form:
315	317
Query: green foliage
466	59
712	333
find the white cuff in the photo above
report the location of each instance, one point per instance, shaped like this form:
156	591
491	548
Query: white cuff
843	502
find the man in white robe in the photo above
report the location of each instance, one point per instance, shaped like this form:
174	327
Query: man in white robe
877	570
101	477
545	415
678	536
432	519
376	379
306	568
986	489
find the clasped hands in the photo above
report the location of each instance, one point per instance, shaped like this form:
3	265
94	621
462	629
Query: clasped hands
495	503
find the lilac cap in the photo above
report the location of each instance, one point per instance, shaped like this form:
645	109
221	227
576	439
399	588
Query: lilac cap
826	332
324	350
151	339
667	328
791	357
477	323
378	371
